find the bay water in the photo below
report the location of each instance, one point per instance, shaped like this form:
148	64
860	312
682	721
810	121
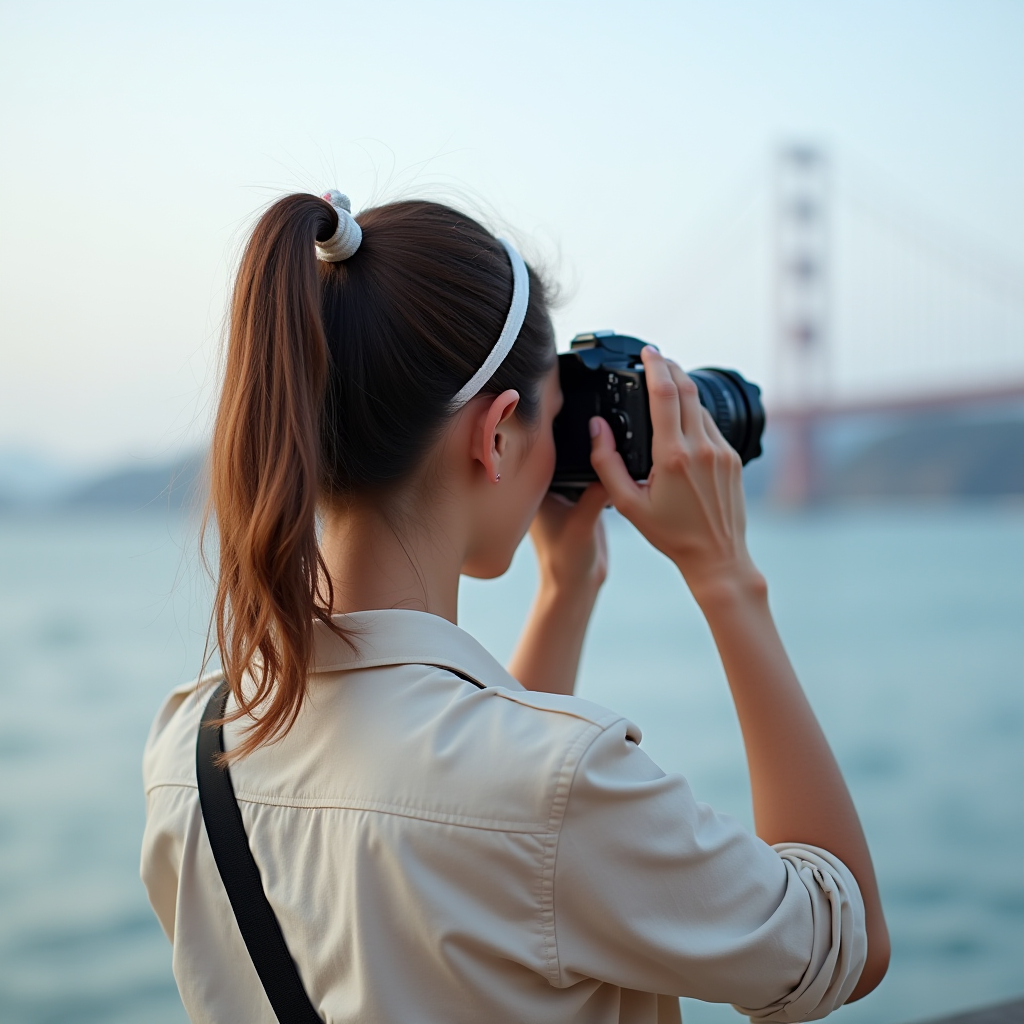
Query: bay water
906	626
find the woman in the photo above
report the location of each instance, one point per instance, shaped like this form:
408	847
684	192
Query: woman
439	839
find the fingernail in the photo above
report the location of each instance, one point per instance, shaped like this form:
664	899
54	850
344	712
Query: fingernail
595	426
651	348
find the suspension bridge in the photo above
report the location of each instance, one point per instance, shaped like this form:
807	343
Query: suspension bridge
888	332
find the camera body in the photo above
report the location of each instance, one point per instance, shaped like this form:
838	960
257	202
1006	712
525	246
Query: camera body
602	375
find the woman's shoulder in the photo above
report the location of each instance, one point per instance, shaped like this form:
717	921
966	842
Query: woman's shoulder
413	739
560	704
169	755
566	722
423	740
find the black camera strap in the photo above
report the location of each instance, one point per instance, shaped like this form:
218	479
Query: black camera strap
241	876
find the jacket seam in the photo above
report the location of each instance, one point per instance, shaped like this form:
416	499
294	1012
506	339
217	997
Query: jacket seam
560	801
530	828
515	697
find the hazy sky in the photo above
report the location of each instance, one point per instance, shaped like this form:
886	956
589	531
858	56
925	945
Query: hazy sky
620	144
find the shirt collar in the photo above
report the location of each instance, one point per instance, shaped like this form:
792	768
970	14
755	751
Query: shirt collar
398	636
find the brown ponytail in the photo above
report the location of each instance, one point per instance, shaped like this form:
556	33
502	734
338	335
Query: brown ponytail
338	378
265	465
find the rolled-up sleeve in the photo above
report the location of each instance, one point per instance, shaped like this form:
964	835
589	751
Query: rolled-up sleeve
654	891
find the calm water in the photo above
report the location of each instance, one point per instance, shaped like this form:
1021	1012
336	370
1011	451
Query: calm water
906	626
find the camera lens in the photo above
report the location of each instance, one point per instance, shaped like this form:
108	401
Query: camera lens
735	406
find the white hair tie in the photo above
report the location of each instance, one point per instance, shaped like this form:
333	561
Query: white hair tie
509	333
348	235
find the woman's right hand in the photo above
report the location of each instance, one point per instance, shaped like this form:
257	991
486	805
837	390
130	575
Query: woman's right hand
691	508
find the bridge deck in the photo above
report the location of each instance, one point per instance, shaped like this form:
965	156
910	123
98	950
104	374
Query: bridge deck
929	402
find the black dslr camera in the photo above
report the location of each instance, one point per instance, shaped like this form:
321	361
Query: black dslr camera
602	375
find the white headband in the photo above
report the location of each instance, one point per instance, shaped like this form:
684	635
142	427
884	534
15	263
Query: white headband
509	333
348	235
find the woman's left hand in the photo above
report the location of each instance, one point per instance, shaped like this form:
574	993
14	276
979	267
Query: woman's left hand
569	539
573	559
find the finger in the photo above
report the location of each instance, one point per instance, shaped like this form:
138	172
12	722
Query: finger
556	501
711	429
692	412
664	401
608	464
592	502
553	511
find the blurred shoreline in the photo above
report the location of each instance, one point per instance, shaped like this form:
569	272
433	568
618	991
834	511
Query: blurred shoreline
923	458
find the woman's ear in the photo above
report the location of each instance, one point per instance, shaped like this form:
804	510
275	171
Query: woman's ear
490	438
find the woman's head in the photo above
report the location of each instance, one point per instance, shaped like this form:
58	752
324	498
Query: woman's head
338	386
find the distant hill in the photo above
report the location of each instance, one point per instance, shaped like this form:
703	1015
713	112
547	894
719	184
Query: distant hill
28	476
935	458
161	488
918	458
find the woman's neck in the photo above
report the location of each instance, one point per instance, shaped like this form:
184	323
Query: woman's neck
376	563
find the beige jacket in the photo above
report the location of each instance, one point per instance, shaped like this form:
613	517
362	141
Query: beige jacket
441	851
